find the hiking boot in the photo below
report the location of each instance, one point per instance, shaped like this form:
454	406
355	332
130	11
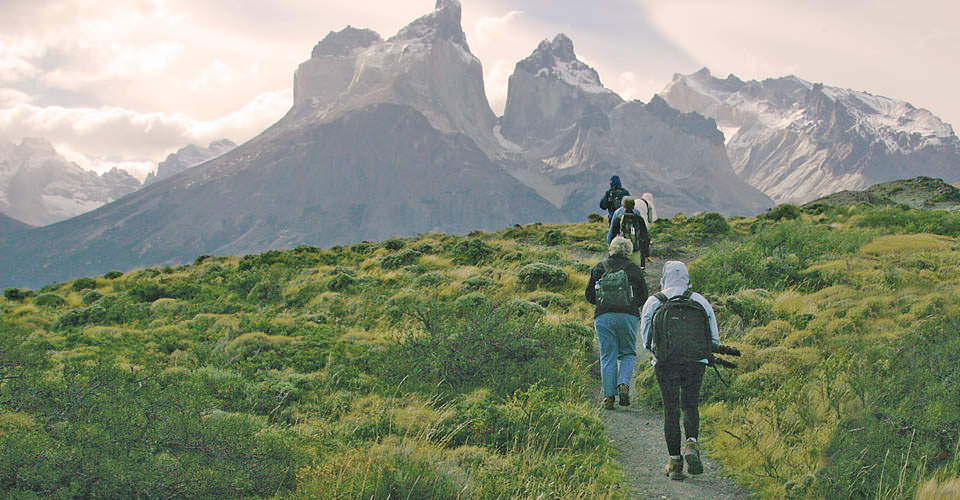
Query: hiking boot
691	453
608	403
675	469
624	391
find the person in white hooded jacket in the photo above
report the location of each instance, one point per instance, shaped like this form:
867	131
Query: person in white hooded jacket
679	383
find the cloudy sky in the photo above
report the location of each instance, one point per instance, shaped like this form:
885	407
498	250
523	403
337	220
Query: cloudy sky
124	83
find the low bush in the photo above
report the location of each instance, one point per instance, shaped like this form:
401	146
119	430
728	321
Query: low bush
542	275
49	300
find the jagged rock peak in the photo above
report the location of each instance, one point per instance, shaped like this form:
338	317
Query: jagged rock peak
558	59
441	24
345	42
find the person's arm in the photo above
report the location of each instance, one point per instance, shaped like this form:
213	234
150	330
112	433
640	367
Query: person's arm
639	285
711	317
591	293
646	317
604	201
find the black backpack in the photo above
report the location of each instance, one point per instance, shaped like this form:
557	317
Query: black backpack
629	228
680	330
613	288
615	198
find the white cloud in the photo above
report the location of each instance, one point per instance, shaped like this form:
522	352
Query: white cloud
101	138
487	29
11	97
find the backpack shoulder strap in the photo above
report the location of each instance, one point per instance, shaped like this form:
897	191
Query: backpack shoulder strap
661	297
686	293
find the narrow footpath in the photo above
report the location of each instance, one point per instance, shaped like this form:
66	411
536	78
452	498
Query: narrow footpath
637	432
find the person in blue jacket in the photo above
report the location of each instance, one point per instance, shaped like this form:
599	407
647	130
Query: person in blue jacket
612	198
679	383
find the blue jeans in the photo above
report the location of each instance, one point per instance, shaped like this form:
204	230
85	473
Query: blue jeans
617	334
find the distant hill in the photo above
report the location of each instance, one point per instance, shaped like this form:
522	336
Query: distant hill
919	192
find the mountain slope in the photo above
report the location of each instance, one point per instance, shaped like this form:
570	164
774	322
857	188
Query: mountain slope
9	224
796	140
374	173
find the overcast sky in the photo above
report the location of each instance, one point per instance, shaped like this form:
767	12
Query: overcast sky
124	83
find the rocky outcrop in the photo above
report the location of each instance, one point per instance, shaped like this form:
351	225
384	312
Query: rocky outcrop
427	65
549	91
796	140
187	157
40	187
331	66
565	135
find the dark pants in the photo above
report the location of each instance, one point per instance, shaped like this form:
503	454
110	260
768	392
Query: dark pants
680	389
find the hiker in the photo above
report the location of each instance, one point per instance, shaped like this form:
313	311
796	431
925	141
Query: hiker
630	225
617	288
612	198
692	329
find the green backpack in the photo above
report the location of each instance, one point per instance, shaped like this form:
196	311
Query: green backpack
680	330
613	288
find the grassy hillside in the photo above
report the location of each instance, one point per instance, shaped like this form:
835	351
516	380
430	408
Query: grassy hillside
458	367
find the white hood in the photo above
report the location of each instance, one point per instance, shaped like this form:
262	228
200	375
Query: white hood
675	277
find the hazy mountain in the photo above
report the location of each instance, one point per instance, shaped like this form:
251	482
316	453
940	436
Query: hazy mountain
796	140
565	134
9	224
40	187
388	157
186	157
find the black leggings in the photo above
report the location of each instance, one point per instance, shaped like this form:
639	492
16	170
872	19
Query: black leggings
680	389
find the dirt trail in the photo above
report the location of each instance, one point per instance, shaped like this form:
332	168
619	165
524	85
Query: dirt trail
637	432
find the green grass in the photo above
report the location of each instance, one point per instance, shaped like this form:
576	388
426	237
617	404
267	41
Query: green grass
441	366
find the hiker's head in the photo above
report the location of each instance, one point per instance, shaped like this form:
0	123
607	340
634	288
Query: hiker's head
615	181
628	203
621	246
675	274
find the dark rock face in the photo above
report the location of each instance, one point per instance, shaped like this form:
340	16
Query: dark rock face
549	91
375	173
187	157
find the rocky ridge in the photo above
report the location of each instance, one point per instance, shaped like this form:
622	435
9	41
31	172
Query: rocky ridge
796	140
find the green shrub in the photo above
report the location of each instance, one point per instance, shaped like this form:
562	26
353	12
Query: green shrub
112	275
17	294
431	279
714	223
781	212
475	283
394	244
595	218
553	237
526	309
341	282
542	275
84	283
49	300
471	251
92	296
548	299
400	259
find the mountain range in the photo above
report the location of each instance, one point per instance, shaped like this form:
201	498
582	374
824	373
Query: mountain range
796	140
38	186
394	136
